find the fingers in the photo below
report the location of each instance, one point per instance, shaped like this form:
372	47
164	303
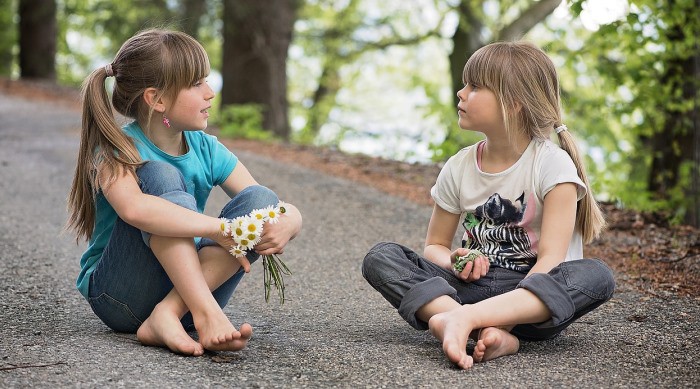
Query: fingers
466	272
271	244
481	267
475	269
245	263
269	250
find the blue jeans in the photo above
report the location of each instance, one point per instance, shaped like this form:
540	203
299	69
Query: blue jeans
129	281
409	281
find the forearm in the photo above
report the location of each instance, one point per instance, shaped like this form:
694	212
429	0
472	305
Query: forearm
161	217
544	264
439	255
438	241
558	221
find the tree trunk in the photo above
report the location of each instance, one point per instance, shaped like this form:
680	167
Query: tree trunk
678	142
192	11
693	216
256	39
465	41
37	39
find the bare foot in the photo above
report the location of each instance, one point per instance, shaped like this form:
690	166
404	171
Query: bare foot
451	328
216	333
493	343
163	329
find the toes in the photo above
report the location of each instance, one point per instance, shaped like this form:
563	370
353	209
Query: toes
246	331
466	362
479	351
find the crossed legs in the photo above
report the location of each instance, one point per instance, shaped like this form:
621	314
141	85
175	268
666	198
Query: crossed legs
194	275
430	297
453	324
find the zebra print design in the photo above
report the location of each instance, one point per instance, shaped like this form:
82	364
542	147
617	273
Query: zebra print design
493	229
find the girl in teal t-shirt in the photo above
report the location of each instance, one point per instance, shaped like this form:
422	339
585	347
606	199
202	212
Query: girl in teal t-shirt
155	264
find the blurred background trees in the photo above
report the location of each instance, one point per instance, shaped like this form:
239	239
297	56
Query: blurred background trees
380	77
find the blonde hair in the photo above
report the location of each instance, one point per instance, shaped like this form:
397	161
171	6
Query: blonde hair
166	60
525	82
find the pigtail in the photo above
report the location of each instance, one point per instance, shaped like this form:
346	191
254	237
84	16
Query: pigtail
589	217
104	152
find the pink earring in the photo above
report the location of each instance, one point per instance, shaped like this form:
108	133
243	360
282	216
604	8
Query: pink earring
166	121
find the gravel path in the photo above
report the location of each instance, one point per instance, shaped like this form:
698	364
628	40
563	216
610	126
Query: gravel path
333	331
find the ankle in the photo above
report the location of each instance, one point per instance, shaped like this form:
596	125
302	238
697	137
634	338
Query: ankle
166	308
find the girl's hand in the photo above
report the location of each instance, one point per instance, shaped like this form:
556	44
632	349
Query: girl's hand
275	237
473	270
227	242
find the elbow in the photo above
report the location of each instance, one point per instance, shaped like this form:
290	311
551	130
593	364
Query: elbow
132	214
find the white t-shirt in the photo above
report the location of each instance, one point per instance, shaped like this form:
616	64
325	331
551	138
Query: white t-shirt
503	211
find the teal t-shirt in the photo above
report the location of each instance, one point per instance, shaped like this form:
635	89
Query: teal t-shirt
206	164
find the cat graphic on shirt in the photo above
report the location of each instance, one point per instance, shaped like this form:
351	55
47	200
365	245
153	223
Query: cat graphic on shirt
494	229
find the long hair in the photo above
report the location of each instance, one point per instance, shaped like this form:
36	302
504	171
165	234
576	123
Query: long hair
525	82
166	60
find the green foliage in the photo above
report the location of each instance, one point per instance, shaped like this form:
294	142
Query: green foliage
8	39
447	114
634	86
334	37
243	121
91	31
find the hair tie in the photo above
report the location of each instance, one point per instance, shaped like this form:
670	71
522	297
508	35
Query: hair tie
561	128
108	70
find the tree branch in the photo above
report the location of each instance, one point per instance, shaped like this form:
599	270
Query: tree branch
528	19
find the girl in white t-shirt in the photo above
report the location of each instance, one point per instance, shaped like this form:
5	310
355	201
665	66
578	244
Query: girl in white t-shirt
526	208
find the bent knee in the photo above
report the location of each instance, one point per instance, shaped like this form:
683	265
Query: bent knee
259	196
383	262
594	276
158	177
378	253
607	278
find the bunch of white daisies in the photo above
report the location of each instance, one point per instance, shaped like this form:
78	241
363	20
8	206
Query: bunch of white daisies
246	232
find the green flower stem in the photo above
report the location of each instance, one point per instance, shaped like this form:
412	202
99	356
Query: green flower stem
273	270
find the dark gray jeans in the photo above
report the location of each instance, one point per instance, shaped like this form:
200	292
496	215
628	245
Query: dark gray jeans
409	281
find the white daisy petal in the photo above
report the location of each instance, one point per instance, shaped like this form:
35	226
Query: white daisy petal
251	226
237	228
237	251
225	226
273	214
258	214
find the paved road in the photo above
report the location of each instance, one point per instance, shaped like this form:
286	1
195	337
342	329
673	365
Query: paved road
334	330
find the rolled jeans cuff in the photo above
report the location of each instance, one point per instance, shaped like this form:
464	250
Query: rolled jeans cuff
178	197
553	295
421	294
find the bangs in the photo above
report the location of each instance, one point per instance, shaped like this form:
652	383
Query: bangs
484	67
185	62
